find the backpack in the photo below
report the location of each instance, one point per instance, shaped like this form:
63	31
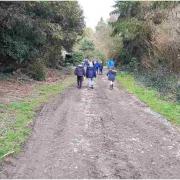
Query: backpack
79	71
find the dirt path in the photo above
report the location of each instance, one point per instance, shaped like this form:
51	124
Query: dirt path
98	134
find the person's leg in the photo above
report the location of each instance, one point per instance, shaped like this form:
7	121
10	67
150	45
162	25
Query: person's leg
89	82
85	68
92	83
80	81
111	84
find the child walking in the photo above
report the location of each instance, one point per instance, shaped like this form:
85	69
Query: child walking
100	67
80	73
96	65
111	77
91	74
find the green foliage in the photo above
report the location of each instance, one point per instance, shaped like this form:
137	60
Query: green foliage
87	45
100	55
99	44
178	93
131	29
20	42
76	58
136	25
29	30
133	65
124	57
136	33
162	80
163	4
127	8
54	58
168	109
104	42
37	70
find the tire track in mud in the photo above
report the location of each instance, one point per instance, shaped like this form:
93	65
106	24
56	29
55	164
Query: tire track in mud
99	133
106	165
146	138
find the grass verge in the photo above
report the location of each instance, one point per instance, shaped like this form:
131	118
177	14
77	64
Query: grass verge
151	97
15	118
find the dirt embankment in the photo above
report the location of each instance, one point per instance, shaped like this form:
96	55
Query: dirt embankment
19	86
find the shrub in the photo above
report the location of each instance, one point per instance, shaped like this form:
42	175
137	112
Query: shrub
37	70
162	80
35	29
133	65
178	93
75	59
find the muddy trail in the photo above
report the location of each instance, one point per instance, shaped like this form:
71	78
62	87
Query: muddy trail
99	133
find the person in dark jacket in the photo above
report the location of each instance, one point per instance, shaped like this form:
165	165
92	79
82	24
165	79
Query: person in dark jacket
85	63
100	67
80	73
96	65
91	74
111	77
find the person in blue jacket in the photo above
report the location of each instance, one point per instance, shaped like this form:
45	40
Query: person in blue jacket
97	65
111	77
110	63
100	67
91	74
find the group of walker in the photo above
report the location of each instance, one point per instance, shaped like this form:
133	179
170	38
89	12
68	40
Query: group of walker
90	69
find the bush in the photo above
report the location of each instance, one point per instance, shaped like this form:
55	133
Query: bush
37	70
178	93
54	57
162	80
100	55
133	65
35	29
75	59
124	57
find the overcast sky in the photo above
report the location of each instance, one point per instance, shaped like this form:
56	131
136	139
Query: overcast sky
95	9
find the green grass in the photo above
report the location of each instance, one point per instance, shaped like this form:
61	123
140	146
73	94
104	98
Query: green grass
151	97
15	118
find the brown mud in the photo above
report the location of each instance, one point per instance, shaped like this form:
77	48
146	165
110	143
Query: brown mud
98	133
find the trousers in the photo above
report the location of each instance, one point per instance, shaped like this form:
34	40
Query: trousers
79	81
90	82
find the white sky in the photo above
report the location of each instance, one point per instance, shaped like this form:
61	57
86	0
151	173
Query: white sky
95	9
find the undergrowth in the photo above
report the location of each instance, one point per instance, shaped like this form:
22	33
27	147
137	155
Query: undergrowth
170	110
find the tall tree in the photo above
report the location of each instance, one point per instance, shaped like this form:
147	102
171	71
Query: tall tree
109	45
33	29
